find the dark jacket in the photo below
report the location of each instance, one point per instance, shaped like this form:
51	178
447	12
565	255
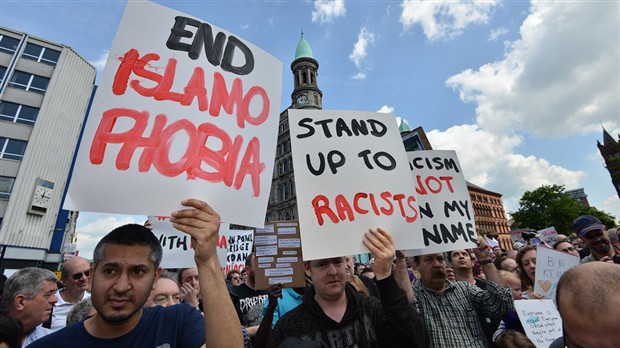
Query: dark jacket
368	322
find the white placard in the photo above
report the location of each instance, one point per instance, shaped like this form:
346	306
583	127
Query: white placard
280	280
265	240
265	259
355	176
541	321
288	259
446	212
550	265
166	125
548	235
267	250
289	243
283	265
287	230
290	252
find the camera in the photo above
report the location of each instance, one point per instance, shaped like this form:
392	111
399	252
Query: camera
616	259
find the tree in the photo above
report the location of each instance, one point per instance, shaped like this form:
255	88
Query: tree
548	206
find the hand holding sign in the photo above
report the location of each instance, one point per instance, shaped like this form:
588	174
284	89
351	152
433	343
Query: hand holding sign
202	223
380	243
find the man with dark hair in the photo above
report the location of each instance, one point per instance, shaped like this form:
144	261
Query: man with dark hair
29	297
592	233
588	301
126	269
333	314
251	301
457	324
74	275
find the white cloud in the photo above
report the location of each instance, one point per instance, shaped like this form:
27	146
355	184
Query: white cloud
612	206
326	11
360	52
561	77
245	27
496	33
386	109
92	227
445	19
99	64
489	160
359	76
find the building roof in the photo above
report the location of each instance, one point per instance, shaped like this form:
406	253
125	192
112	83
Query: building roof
480	189
403	126
608	139
303	49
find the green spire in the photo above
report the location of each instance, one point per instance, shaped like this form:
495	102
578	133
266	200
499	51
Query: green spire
403	127
303	49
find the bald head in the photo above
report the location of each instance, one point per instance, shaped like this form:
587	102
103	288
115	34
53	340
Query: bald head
75	275
587	300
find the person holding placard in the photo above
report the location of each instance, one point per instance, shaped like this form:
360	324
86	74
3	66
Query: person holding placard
526	259
458	324
124	272
333	314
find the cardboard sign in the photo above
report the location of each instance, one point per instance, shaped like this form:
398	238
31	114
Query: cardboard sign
446	212
548	236
177	246
352	174
517	236
184	109
541	321
550	265
279	258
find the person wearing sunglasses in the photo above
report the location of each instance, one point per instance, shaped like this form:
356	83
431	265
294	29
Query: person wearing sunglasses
234	277
592	233
75	276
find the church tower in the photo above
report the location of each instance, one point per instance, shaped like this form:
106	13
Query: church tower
306	95
610	150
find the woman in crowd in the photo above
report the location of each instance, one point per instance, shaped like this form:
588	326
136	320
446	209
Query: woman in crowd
566	247
526	259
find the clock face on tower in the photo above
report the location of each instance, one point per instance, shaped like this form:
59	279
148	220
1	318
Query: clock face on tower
42	197
302	100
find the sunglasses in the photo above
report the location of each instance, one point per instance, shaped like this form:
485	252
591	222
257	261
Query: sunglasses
593	234
79	275
236	278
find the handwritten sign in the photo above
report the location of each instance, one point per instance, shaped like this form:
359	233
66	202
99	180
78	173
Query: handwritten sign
446	211
517	236
279	256
550	265
177	246
184	109
351	173
239	246
548	235
541	321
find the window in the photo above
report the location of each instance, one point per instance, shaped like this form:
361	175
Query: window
17	113
8	44
41	54
12	149
2	72
6	186
29	82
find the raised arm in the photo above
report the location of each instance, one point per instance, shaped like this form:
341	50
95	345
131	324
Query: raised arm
483	255
401	275
202	223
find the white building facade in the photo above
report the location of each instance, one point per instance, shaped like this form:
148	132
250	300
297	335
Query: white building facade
45	91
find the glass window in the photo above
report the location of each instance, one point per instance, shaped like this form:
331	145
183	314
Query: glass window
2	72
29	82
12	149
6	186
8	44
41	54
17	113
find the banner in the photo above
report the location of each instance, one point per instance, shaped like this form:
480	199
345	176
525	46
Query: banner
279	257
184	109
548	235
351	174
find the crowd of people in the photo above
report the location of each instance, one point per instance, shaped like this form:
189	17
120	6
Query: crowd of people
462	298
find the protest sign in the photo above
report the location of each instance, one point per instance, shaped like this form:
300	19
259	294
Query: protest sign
279	258
445	207
351	174
548	235
517	236
183	109
550	265
239	246
177	246
541	321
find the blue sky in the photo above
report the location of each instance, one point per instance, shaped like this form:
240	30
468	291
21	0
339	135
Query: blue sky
519	89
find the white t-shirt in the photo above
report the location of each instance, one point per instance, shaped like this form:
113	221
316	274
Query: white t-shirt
61	310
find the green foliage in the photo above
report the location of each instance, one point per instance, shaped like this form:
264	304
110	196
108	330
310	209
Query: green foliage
548	206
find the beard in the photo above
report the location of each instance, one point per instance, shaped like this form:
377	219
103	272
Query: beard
602	247
438	273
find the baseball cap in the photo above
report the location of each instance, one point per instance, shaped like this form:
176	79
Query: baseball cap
586	223
517	245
